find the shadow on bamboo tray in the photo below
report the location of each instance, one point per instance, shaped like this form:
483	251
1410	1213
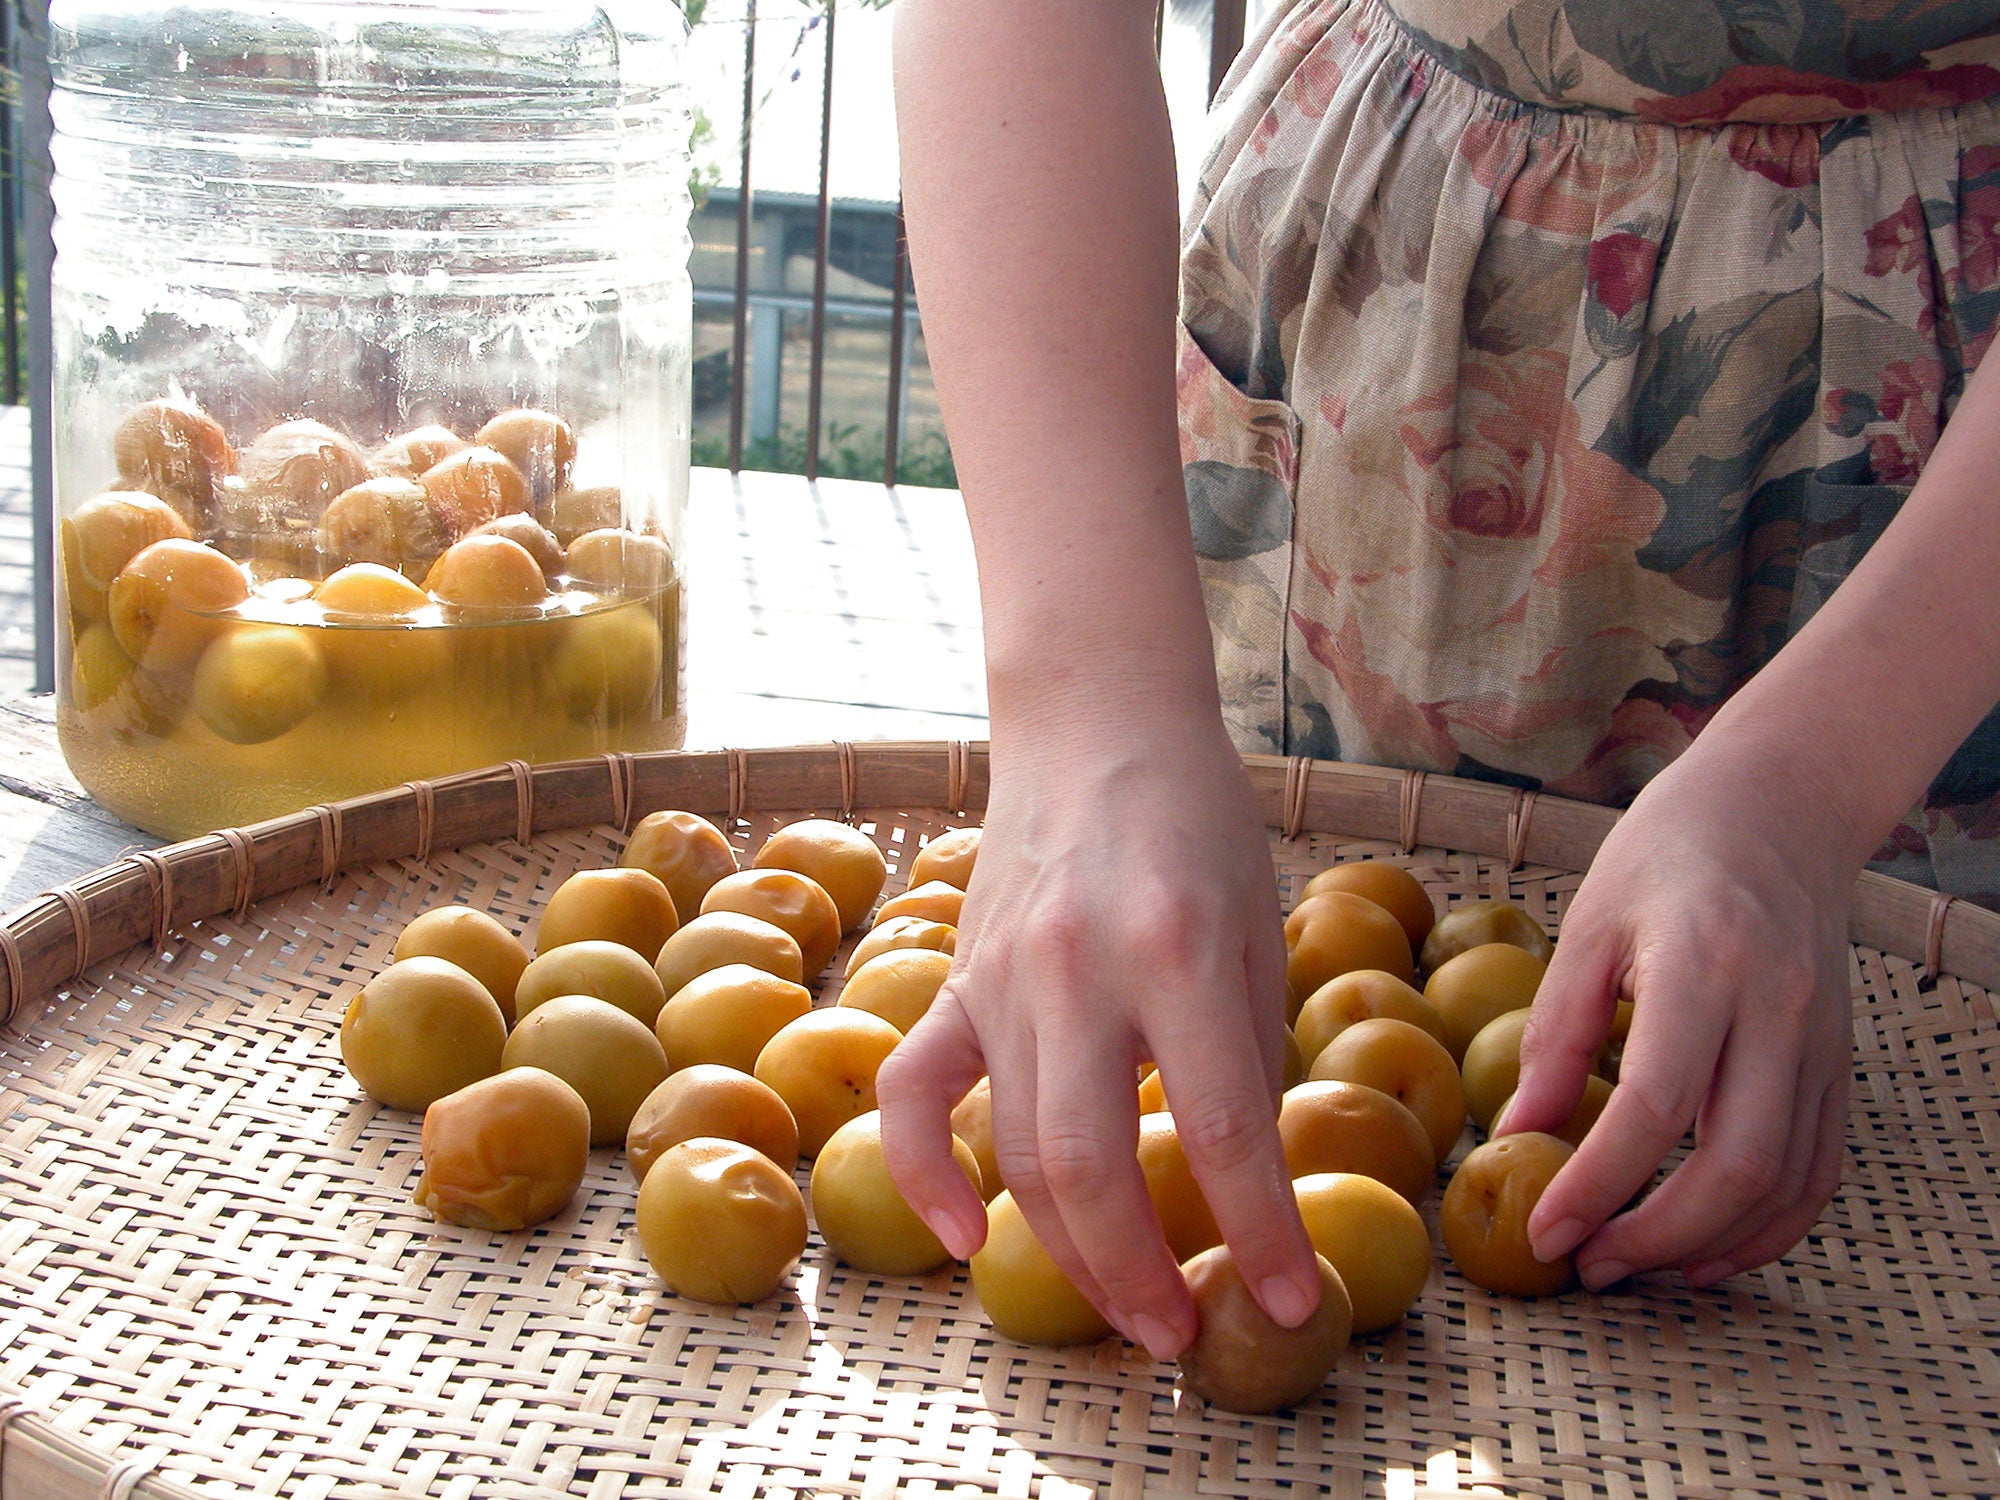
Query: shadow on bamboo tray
212	1280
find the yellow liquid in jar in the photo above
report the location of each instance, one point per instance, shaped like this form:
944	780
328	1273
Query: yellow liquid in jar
397	702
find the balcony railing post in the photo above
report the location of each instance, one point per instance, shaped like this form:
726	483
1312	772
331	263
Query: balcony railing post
739	334
1224	41
823	246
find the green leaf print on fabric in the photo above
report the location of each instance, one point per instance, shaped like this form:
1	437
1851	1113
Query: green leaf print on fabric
1236	512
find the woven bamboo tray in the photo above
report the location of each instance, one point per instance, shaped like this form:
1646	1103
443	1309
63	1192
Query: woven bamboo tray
212	1281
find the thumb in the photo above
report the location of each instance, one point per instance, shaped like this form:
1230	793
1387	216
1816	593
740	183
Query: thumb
916	1088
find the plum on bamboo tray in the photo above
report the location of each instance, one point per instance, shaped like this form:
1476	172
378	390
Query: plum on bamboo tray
213	1279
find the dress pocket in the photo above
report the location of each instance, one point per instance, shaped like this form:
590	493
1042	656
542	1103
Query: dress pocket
1240	459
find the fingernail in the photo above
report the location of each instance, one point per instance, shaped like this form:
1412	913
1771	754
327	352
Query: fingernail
963	1237
1602	1273
1288	1303
1557	1240
1161	1341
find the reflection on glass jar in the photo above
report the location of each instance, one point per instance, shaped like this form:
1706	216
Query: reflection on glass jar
372	332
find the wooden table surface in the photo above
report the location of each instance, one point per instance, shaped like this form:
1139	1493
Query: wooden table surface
817	611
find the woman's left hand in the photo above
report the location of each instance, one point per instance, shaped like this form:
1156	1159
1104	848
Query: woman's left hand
1718	906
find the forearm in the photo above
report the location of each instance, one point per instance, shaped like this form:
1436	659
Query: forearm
1903	660
1038	176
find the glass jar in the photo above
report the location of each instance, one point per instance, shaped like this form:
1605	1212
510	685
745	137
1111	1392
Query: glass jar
372	353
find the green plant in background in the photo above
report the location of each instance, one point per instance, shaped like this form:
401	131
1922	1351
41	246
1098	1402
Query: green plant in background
844	453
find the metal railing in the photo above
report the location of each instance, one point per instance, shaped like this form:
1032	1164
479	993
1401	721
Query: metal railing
1226	32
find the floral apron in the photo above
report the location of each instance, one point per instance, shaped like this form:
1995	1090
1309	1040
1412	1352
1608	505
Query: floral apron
1545	364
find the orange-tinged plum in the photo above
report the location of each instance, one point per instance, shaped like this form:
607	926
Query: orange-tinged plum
478	942
607	664
471	487
177	451
720	1222
421	1029
103	535
1373	1237
862	1215
709	1099
291	471
522	529
948	857
727	937
1484	1215
685	851
899	985
622	905
505	1152
934	901
1481	985
374	645
896	933
483	573
972	1122
1335	933
1475	922
1409	1065
604	970
408	454
1355	996
726	1015
1334	1126
613	1061
98	667
786	899
1184	1214
624	564
823	1066
540	444
389	522
1491	1069
1240	1359
1389	886
255	682
575	512
847	864
1024	1292
171	600
1596	1094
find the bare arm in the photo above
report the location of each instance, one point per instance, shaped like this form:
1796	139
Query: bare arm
1124	906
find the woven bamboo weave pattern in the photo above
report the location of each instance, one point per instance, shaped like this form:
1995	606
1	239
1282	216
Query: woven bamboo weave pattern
213	1282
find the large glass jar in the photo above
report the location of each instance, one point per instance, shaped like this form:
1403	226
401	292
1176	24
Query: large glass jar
372	328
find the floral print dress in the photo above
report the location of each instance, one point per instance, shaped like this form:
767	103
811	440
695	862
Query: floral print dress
1546	362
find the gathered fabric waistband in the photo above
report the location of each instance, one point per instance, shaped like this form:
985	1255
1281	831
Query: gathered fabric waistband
1758	61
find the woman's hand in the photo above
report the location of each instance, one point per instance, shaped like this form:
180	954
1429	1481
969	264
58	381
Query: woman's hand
1123	909
1718	906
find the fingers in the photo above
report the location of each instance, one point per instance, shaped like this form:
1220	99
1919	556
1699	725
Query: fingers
1082	1189
1668	1071
1229	1131
1739	1167
916	1088
1777	1235
1570	1018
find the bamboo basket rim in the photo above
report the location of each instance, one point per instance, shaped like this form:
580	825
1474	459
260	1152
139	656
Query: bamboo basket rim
56	938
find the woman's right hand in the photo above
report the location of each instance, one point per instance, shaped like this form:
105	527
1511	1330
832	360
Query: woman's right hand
1123	908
